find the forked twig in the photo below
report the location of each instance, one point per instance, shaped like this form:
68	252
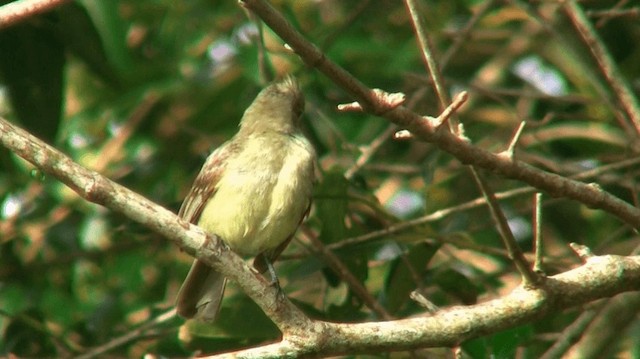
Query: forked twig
529	277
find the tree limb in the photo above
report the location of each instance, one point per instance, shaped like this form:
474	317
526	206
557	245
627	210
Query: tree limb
600	277
461	148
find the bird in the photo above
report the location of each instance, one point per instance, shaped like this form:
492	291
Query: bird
253	192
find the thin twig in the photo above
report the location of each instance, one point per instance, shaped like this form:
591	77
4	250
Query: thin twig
65	343
343	272
613	13
112	148
581	251
619	86
141	331
424	302
537	233
529	277
264	65
604	93
572	333
459	147
609	14
481	201
427	54
350	19
510	151
369	151
455	105
462	35
617	318
107	155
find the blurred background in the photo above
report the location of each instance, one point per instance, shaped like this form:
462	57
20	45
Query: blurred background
141	91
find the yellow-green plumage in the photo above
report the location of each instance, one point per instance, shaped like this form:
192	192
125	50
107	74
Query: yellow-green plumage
253	191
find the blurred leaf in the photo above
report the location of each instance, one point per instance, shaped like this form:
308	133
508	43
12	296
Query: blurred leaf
331	205
240	323
501	345
400	281
349	311
242	318
456	284
92	275
31	66
81	38
108	22
26	336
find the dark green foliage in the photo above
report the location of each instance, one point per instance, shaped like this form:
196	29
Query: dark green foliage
141	91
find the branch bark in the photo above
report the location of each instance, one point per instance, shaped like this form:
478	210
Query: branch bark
21	10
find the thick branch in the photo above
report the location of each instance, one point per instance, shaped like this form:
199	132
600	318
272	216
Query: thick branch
95	188
462	149
599	277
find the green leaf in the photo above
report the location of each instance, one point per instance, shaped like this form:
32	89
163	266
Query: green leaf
331	205
240	323
500	345
456	284
31	66
27	336
401	279
112	28
80	36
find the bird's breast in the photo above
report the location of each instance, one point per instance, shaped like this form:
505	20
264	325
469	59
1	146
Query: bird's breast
262	195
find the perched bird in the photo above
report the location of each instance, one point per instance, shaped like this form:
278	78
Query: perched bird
253	192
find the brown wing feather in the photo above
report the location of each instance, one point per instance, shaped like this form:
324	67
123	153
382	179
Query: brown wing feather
205	184
201	292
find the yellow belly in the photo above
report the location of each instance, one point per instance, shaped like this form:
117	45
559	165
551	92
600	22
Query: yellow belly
257	207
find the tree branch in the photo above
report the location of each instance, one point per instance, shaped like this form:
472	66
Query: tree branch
449	327
461	148
599	277
622	90
95	188
20	10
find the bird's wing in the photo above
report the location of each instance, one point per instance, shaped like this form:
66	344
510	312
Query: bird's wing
206	183
202	290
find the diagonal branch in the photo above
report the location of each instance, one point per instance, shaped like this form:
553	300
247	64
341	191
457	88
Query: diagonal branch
427	53
600	276
95	188
465	152
529	277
